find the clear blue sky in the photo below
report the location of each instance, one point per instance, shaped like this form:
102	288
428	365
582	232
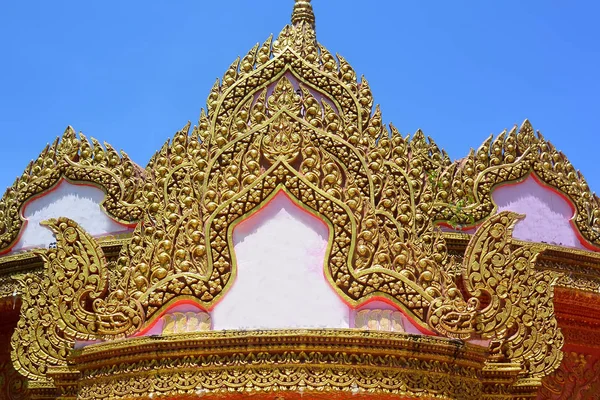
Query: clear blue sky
134	72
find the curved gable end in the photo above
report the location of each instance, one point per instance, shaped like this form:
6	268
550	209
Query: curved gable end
289	246
76	161
467	186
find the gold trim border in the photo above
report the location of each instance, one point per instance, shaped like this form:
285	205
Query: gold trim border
300	361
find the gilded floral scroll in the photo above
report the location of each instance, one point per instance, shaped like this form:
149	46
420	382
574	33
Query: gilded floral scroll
464	195
70	301
291	117
77	160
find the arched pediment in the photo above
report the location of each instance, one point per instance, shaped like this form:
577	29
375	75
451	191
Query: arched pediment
290	117
465	190
380	248
295	51
78	161
549	215
79	202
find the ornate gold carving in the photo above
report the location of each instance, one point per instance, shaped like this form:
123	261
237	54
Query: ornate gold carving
76	160
465	189
379	320
289	117
28	262
578	378
578	269
254	362
188	322
69	302
303	12
520	316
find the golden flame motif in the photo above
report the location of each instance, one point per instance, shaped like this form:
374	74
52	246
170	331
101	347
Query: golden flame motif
289	116
75	160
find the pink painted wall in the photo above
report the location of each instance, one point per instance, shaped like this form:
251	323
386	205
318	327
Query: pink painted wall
80	203
280	280
547	213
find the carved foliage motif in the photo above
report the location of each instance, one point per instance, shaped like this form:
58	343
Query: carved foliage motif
283	134
77	160
270	129
578	378
464	195
289	116
520	315
69	302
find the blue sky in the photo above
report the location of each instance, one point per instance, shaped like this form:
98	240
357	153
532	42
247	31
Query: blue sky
133	72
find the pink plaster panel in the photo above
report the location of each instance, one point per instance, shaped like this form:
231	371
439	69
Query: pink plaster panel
280	281
548	214
78	202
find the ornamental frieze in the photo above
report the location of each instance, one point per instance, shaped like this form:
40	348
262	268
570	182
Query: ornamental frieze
578	378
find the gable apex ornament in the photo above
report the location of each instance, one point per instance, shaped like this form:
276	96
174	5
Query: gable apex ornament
303	12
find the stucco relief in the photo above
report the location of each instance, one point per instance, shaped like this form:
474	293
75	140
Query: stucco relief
78	160
268	129
578	378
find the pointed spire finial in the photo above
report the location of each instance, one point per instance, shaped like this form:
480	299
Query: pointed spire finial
303	11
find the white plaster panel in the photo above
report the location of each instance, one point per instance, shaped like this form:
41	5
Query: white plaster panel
280	281
547	213
77	202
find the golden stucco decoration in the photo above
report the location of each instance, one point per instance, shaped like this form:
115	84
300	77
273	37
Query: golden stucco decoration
464	189
70	301
291	117
79	161
377	364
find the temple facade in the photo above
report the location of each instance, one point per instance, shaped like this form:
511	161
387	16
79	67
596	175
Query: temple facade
293	246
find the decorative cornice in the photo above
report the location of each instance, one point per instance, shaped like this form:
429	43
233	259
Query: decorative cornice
331	362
